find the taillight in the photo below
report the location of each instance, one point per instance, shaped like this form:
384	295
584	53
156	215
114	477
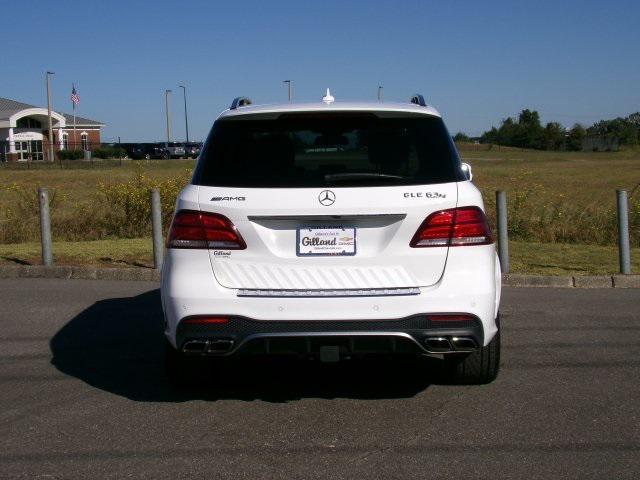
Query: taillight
454	227
193	229
451	317
204	320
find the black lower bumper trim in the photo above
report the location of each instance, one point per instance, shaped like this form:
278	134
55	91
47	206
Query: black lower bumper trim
406	335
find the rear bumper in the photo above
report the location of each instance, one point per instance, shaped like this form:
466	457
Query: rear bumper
413	335
471	285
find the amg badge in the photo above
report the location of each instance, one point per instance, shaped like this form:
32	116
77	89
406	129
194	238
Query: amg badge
228	199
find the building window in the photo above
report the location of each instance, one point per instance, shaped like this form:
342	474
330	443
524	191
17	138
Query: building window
27	122
65	141
85	141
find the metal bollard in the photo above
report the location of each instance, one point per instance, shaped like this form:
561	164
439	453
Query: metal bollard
45	227
156	225
623	232
503	236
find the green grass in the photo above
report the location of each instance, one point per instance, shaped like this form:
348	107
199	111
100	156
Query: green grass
107	253
88	203
586	177
567	259
536	258
78	181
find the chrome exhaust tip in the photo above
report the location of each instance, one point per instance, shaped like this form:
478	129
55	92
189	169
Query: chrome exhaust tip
463	343
195	346
208	346
219	345
438	344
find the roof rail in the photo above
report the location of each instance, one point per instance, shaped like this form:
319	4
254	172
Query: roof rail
240	102
418	100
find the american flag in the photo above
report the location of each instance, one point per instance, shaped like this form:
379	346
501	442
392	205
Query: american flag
75	98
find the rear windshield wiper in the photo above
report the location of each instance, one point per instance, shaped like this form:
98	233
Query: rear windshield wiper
362	176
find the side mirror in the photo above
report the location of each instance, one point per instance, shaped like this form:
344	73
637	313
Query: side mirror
466	169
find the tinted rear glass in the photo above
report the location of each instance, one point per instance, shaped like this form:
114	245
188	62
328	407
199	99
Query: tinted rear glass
328	150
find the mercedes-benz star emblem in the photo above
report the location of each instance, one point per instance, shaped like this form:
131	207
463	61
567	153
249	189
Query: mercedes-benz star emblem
327	197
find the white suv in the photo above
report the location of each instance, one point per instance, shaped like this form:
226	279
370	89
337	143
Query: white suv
331	230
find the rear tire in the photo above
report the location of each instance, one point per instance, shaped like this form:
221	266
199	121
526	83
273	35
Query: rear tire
477	368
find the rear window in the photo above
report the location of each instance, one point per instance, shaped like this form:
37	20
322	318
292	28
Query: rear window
328	150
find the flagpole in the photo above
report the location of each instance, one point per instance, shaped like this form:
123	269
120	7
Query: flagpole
75	140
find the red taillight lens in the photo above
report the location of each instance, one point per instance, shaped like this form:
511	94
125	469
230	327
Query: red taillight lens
452	317
206	320
453	227
192	229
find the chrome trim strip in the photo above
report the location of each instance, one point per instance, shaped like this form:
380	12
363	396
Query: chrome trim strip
350	292
394	216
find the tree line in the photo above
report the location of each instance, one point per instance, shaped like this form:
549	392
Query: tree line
527	131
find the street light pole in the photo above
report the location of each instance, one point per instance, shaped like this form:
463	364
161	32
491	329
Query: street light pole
288	82
166	105
49	114
186	120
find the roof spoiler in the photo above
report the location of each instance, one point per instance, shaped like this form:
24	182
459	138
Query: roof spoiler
418	100
240	102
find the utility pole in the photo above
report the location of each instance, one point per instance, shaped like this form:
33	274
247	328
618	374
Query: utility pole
186	120
119	150
288	82
379	93
49	114
166	104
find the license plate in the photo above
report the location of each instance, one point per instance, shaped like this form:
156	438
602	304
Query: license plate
318	241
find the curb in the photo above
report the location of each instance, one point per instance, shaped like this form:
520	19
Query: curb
520	280
152	275
579	281
85	273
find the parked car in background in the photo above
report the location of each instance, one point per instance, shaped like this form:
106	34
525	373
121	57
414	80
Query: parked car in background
146	151
140	151
192	149
172	150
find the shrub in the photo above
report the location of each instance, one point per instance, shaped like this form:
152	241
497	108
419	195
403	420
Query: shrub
561	220
120	210
129	212
108	152
70	154
20	220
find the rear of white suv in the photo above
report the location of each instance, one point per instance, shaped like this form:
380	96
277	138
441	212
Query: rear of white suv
332	230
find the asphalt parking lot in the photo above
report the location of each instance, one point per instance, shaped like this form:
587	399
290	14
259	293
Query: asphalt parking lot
82	394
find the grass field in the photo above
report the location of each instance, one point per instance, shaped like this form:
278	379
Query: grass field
555	199
79	180
587	178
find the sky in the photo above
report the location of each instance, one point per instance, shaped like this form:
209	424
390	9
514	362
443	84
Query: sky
476	62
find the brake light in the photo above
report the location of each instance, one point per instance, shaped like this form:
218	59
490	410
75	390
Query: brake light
454	227
193	229
452	317
206	320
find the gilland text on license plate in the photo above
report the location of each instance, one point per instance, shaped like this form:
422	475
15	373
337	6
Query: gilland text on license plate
315	241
